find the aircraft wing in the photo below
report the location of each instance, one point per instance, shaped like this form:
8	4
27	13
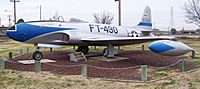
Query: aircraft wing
125	40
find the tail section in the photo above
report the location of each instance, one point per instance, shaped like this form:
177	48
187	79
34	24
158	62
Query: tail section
146	19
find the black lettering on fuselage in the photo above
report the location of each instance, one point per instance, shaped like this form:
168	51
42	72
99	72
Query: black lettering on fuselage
91	27
98	28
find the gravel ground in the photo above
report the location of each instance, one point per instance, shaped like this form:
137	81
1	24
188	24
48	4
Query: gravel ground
63	66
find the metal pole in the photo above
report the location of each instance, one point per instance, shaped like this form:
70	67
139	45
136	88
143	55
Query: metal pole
172	18
119	12
119	23
15	11
15	16
40	12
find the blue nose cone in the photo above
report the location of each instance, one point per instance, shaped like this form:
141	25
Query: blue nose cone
10	31
159	47
11	35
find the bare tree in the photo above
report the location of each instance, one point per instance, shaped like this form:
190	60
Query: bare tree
192	11
103	17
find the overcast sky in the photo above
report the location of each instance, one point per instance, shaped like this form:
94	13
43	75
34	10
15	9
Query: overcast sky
132	10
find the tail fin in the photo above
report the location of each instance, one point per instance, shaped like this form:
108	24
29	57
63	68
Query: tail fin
146	19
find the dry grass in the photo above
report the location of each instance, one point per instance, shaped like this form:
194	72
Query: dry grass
29	80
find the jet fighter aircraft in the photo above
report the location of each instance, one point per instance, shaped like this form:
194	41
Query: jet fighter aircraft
56	34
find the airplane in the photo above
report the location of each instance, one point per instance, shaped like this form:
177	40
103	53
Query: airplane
58	33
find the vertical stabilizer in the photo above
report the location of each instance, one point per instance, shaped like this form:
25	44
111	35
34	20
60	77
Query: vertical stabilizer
146	19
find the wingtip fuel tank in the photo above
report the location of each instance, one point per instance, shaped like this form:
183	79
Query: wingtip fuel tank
169	47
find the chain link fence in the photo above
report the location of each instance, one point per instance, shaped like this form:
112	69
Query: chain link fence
136	72
90	71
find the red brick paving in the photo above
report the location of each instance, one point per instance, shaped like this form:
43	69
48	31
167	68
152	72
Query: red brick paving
136	58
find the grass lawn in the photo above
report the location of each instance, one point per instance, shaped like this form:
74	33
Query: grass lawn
11	79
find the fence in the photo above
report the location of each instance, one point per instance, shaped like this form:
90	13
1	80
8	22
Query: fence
15	53
19	52
128	73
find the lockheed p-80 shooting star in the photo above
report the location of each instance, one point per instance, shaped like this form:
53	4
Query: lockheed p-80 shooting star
55	34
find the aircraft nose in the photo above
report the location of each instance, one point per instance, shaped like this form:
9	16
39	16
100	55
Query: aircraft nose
11	32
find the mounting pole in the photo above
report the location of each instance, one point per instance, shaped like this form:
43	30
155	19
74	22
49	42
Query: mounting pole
110	51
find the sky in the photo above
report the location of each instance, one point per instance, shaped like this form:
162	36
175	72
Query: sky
132	11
